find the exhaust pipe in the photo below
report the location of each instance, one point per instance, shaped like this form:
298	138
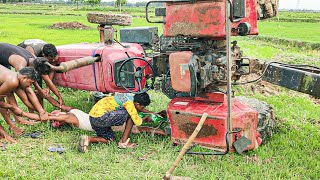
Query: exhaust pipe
74	64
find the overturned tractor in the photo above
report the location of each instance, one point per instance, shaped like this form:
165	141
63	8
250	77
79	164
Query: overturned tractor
196	65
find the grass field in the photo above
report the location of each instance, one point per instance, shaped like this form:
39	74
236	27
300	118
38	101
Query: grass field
292	153
301	31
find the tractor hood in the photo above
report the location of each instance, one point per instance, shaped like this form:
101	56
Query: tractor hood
100	76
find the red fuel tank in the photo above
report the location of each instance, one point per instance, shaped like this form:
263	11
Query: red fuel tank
101	76
185	113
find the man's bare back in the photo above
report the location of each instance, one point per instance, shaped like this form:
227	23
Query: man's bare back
8	81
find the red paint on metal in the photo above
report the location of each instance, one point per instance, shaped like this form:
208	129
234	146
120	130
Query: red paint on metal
204	19
180	73
185	113
83	78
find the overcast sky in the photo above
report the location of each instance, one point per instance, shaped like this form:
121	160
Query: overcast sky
301	4
283	4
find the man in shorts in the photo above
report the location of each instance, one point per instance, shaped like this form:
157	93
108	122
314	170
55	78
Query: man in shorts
116	110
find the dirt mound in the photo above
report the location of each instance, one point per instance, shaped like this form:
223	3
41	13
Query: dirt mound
261	87
266	88
69	25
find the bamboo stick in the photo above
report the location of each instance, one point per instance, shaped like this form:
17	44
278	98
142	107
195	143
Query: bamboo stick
186	146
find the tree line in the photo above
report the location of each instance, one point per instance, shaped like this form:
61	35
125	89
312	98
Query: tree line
116	3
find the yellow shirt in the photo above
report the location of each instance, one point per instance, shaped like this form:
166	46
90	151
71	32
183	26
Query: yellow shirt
112	103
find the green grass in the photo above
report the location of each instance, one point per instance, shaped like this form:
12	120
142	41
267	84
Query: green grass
297	15
290	30
38	28
292	153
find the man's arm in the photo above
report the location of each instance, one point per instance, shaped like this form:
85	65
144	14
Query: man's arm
52	87
16	110
132	111
54	102
35	102
162	113
31	116
47	90
24	98
51	75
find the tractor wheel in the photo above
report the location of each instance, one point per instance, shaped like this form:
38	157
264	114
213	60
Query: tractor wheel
109	19
265	118
267	8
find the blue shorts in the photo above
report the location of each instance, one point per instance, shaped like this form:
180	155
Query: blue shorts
102	125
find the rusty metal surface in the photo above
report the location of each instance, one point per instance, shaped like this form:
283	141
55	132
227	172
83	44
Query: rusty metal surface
187	126
203	19
185	113
294	78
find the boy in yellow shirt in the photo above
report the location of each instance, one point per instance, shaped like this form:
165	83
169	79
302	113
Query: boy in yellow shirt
115	111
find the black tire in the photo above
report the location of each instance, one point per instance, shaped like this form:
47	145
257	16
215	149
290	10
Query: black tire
266	116
109	19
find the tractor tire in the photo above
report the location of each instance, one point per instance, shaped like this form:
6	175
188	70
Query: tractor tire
265	117
109	19
267	8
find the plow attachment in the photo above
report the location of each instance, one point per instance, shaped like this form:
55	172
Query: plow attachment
301	78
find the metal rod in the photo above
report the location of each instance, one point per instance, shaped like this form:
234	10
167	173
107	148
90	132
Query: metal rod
229	64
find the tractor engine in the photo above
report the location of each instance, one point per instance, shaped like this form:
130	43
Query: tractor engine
192	62
193	66
192	56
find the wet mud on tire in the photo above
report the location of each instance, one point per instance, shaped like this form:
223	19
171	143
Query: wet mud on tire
109	19
265	118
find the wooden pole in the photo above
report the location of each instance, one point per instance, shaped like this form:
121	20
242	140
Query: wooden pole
186	146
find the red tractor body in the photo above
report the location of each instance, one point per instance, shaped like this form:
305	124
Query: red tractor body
103	75
185	114
205	19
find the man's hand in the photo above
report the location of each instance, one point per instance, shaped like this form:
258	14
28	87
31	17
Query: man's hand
61	102
44	116
163	114
46	92
147	119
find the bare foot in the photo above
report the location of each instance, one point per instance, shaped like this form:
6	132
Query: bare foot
25	122
2	147
16	131
8	139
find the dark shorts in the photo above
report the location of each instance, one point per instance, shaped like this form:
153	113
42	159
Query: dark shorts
7	66
102	125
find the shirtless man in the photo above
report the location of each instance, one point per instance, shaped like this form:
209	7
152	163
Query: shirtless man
17	57
11	81
40	48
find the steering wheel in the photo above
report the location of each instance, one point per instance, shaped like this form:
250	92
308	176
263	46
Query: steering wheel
137	74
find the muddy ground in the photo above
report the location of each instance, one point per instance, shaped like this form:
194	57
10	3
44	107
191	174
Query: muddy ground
265	88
